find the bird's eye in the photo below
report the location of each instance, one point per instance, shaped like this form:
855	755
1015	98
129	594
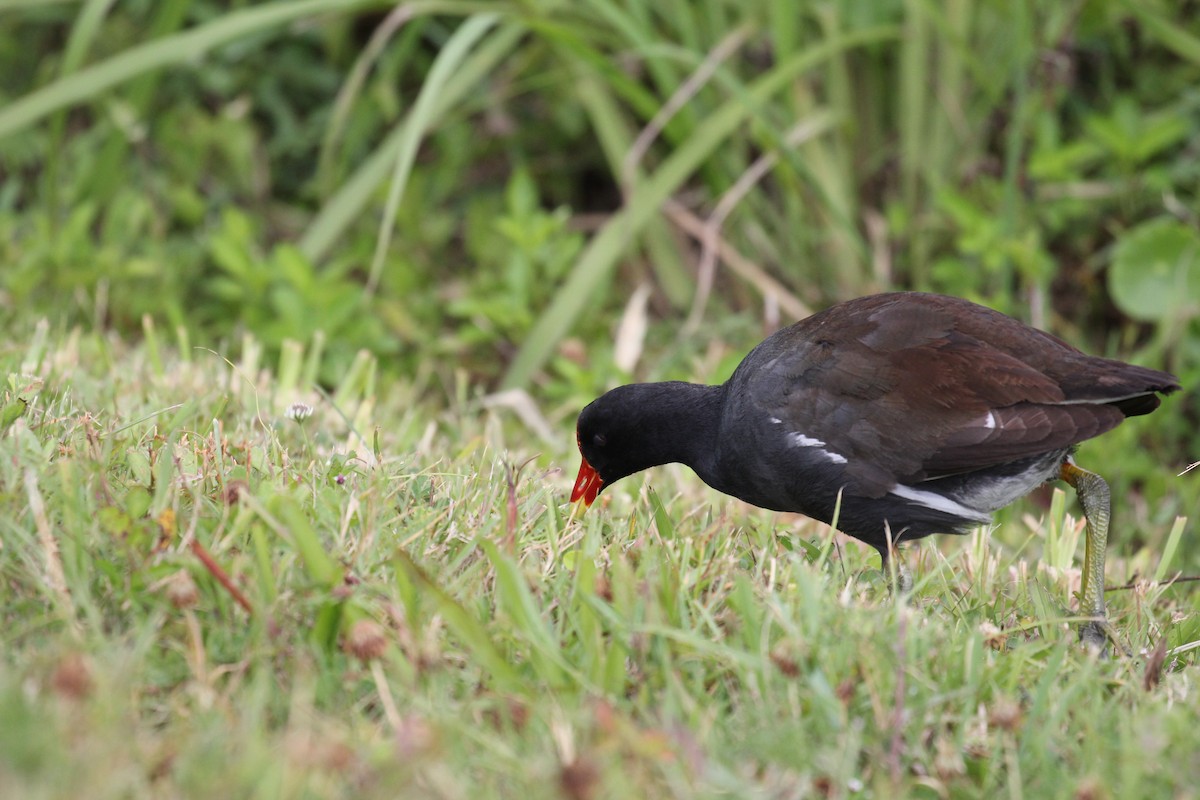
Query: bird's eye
600	440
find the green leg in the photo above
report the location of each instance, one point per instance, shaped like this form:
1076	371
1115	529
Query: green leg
1094	496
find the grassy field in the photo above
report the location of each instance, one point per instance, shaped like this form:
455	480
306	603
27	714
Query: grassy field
216	583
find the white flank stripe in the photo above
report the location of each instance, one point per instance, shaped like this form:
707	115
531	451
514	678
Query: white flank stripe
776	421
990	421
938	503
1099	402
800	440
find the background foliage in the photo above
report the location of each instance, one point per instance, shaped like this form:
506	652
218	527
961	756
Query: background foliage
421	179
440	201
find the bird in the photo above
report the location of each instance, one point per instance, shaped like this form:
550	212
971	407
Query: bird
892	417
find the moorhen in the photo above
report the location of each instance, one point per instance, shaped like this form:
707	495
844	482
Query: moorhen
901	415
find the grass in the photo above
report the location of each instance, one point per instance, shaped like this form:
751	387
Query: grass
426	619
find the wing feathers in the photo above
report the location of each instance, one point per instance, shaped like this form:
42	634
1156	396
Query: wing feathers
1016	432
909	387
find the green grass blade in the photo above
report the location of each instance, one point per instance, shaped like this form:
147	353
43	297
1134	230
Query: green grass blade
320	567
83	33
464	625
662	520
915	99
1169	550
419	122
1167	31
518	601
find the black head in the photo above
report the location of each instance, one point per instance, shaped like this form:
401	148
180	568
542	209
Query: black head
603	436
639	426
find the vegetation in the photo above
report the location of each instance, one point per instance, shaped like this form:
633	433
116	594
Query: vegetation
300	300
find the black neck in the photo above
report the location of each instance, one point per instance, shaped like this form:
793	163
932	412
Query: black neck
677	422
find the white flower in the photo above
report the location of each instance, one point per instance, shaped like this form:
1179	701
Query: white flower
299	411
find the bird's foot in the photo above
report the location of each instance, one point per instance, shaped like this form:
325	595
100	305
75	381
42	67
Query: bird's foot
1096	634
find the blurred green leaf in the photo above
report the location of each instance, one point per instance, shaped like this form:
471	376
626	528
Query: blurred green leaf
1155	273
137	502
12	412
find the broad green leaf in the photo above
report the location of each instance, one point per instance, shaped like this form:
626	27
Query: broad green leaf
1155	272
